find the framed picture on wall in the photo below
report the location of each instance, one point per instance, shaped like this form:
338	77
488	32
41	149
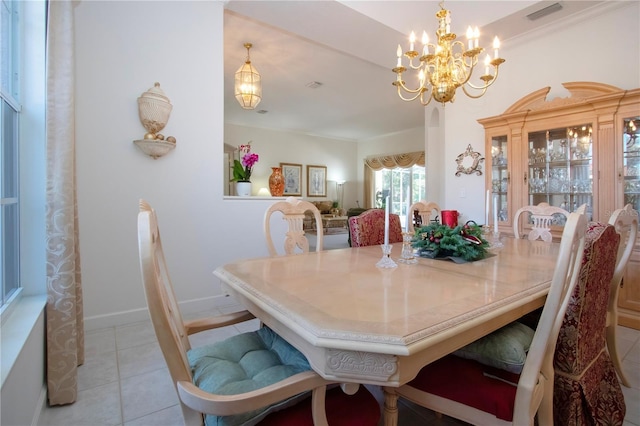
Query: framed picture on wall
292	178
316	181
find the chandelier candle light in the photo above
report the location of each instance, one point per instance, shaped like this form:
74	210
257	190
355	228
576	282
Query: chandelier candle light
447	65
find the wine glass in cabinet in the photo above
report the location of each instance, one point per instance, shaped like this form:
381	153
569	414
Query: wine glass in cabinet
499	178
631	161
560	168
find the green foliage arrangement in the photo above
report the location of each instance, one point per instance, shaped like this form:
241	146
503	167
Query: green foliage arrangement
463	241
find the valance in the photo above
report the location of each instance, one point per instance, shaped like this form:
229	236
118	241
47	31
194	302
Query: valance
404	161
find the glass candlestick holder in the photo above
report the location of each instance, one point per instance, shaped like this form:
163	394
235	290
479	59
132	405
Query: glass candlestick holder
386	261
407	255
493	238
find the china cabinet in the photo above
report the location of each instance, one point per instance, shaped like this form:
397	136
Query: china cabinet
580	149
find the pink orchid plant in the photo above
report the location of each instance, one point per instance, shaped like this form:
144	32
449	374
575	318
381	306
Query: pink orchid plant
243	166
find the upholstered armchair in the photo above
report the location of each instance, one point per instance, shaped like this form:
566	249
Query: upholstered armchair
586	388
367	229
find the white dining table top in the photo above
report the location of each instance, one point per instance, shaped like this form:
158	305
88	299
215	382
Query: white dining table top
339	299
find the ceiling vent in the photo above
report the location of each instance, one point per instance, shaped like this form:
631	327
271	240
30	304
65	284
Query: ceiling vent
313	85
544	11
262	111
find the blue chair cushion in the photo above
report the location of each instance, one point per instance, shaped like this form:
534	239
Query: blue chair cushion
244	363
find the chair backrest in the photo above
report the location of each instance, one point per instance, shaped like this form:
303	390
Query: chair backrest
293	211
582	334
367	229
425	210
542	216
163	307
625	221
536	380
586	389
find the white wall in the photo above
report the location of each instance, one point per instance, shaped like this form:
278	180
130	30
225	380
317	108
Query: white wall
603	48
122	48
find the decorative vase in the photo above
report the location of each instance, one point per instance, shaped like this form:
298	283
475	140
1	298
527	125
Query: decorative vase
243	188
276	182
154	109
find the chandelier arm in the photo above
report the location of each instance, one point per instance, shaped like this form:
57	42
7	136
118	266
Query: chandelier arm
423	103
487	84
414	67
472	96
401	84
464	70
429	97
413	98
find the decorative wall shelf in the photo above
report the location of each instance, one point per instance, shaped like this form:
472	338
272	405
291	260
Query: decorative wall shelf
155	148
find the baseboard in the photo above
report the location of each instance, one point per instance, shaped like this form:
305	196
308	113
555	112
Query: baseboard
40	407
142	314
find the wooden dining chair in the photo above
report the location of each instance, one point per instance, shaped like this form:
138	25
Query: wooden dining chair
586	389
625	221
425	210
542	216
253	377
293	212
367	229
486	395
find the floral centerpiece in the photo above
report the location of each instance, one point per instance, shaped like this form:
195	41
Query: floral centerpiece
464	242
243	165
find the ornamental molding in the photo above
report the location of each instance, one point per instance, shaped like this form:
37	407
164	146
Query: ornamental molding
374	366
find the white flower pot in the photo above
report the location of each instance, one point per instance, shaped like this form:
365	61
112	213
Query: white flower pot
243	189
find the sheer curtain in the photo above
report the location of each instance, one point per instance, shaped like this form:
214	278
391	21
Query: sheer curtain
64	315
374	163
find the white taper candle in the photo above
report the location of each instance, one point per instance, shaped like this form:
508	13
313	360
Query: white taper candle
386	222
487	207
409	212
495	213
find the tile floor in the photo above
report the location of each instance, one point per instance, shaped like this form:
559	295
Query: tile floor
124	381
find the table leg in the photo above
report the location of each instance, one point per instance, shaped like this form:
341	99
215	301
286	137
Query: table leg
390	414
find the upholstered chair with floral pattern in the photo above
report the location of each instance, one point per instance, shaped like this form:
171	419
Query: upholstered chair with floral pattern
367	229
586	388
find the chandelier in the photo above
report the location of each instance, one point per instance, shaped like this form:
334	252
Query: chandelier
248	87
447	65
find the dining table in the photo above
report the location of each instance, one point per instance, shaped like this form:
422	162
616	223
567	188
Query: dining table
359	323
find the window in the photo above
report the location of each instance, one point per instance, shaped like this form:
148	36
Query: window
9	125
404	186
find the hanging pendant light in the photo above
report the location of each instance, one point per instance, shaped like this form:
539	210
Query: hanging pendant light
248	87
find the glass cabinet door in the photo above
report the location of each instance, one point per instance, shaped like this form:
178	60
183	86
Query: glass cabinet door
500	175
631	162
561	168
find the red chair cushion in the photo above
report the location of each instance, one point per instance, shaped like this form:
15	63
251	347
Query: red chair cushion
486	388
360	409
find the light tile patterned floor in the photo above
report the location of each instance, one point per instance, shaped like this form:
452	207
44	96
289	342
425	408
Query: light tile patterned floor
124	381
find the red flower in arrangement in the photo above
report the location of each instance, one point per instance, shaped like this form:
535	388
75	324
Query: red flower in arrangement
243	167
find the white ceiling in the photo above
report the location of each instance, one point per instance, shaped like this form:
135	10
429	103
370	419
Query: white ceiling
349	47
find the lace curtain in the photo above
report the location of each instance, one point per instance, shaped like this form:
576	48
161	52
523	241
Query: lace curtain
375	163
64	314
